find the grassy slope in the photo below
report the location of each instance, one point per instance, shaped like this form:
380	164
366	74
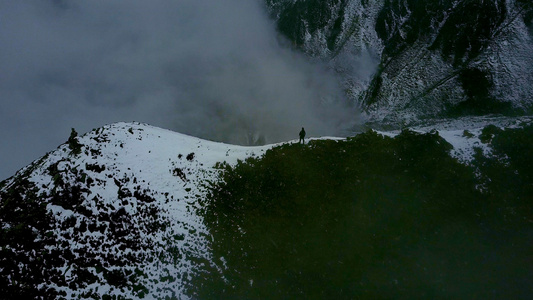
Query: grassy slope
374	217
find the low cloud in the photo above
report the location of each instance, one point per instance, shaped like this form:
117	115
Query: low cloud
213	69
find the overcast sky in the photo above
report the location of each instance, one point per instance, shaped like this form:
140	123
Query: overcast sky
210	68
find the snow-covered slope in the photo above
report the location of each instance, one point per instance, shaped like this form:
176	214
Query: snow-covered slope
123	210
403	59
115	213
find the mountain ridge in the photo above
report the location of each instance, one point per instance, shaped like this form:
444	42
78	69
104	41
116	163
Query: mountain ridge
110	208
114	212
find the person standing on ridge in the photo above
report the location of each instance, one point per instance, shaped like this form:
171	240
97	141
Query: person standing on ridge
302	136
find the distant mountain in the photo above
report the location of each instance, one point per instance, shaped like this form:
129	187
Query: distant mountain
401	60
120	211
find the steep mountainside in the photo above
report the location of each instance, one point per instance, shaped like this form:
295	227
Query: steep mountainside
405	59
111	213
120	211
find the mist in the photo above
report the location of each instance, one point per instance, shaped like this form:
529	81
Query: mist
208	68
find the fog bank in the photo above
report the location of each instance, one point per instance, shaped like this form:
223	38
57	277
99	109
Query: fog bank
213	69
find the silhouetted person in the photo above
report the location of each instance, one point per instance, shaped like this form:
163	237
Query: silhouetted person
302	136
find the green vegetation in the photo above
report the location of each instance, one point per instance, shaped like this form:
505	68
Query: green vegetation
508	175
373	217
27	252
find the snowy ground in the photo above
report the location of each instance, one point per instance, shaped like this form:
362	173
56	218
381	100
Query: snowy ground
461	133
168	167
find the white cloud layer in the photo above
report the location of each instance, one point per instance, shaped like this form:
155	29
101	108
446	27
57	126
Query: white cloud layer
210	68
